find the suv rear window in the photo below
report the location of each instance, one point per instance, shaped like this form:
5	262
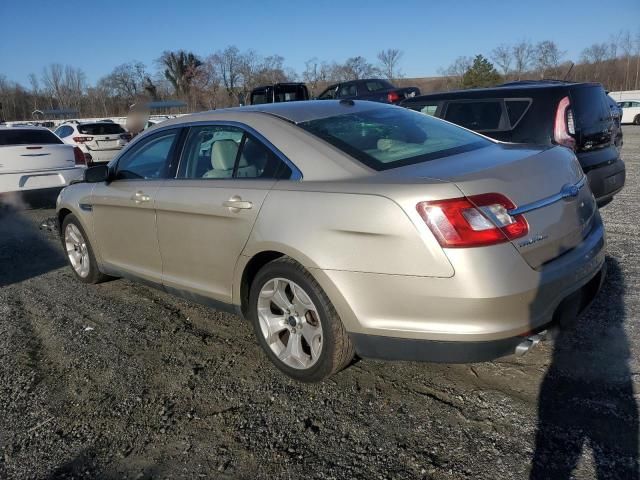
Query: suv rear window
480	115
290	93
589	106
388	137
27	137
100	129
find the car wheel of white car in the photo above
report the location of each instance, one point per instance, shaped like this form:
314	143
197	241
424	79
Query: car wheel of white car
79	252
296	324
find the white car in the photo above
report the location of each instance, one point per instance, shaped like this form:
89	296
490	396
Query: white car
630	111
33	158
100	141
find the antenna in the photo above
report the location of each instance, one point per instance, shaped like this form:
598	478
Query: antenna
568	71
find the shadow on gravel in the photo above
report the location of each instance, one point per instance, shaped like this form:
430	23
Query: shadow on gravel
586	398
25	252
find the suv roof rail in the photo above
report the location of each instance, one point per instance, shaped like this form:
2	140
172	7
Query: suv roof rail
550	81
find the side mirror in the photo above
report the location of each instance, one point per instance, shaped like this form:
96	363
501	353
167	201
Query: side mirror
97	174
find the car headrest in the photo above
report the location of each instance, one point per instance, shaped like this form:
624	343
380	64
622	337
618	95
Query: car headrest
223	154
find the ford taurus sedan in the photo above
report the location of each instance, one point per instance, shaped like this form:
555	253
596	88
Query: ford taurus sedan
344	228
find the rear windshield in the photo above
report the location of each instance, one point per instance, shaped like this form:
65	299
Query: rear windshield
100	129
27	137
393	137
589	106
377	85
290	93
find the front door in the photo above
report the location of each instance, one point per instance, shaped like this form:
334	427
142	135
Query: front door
206	214
124	209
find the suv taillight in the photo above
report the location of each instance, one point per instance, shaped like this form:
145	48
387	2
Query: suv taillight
125	136
79	156
564	126
476	221
82	139
393	97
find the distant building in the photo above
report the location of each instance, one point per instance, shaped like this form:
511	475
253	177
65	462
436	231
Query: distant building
625	95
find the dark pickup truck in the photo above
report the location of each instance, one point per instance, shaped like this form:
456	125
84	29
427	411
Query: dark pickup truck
372	89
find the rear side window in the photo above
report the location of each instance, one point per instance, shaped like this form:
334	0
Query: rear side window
329	93
100	129
516	110
27	137
480	115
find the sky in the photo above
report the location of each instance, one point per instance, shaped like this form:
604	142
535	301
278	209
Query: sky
97	36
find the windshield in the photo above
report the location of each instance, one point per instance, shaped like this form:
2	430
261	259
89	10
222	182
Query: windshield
393	137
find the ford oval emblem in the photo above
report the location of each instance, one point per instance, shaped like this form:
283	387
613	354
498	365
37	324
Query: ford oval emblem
569	191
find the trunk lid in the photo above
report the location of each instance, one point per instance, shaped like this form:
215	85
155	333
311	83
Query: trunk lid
528	176
23	158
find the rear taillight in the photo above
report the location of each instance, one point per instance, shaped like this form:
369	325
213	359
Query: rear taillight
393	97
125	136
82	139
564	127
79	156
474	221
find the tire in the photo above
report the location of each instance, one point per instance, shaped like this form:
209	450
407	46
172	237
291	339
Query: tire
318	344
636	121
79	252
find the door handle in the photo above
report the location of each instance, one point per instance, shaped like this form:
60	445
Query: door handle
236	203
140	197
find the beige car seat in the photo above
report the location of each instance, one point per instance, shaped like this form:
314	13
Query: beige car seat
223	157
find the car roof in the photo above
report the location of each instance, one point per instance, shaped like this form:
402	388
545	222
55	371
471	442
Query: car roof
293	112
520	87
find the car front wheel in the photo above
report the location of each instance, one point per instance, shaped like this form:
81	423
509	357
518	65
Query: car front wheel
79	252
296	323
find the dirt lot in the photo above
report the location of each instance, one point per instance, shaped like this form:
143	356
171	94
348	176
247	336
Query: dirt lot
121	381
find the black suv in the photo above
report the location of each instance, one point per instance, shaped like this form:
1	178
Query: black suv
279	92
575	115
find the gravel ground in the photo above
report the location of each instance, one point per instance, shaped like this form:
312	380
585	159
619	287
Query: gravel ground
121	381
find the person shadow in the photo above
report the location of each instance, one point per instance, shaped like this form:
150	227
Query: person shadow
586	398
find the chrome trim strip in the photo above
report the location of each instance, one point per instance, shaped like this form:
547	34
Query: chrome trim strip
568	191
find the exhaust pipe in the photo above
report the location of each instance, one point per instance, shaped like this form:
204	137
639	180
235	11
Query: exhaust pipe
528	343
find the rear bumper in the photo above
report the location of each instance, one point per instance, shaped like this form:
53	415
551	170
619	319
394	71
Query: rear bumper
481	312
392	348
38	180
606	173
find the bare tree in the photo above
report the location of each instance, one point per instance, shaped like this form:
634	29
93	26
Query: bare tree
127	80
547	56
389	63
523	54
502	55
52	78
180	69
356	68
456	70
315	72
227	64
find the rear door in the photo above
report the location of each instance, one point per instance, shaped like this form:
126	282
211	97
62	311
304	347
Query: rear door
205	214
24	150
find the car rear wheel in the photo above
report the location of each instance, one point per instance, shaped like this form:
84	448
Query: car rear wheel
79	252
636	121
296	324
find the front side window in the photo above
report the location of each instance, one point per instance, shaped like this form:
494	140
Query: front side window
149	159
224	152
393	137
430	109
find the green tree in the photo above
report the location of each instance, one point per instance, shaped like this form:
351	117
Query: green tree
481	73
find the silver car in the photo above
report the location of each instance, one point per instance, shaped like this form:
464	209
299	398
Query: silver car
343	228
